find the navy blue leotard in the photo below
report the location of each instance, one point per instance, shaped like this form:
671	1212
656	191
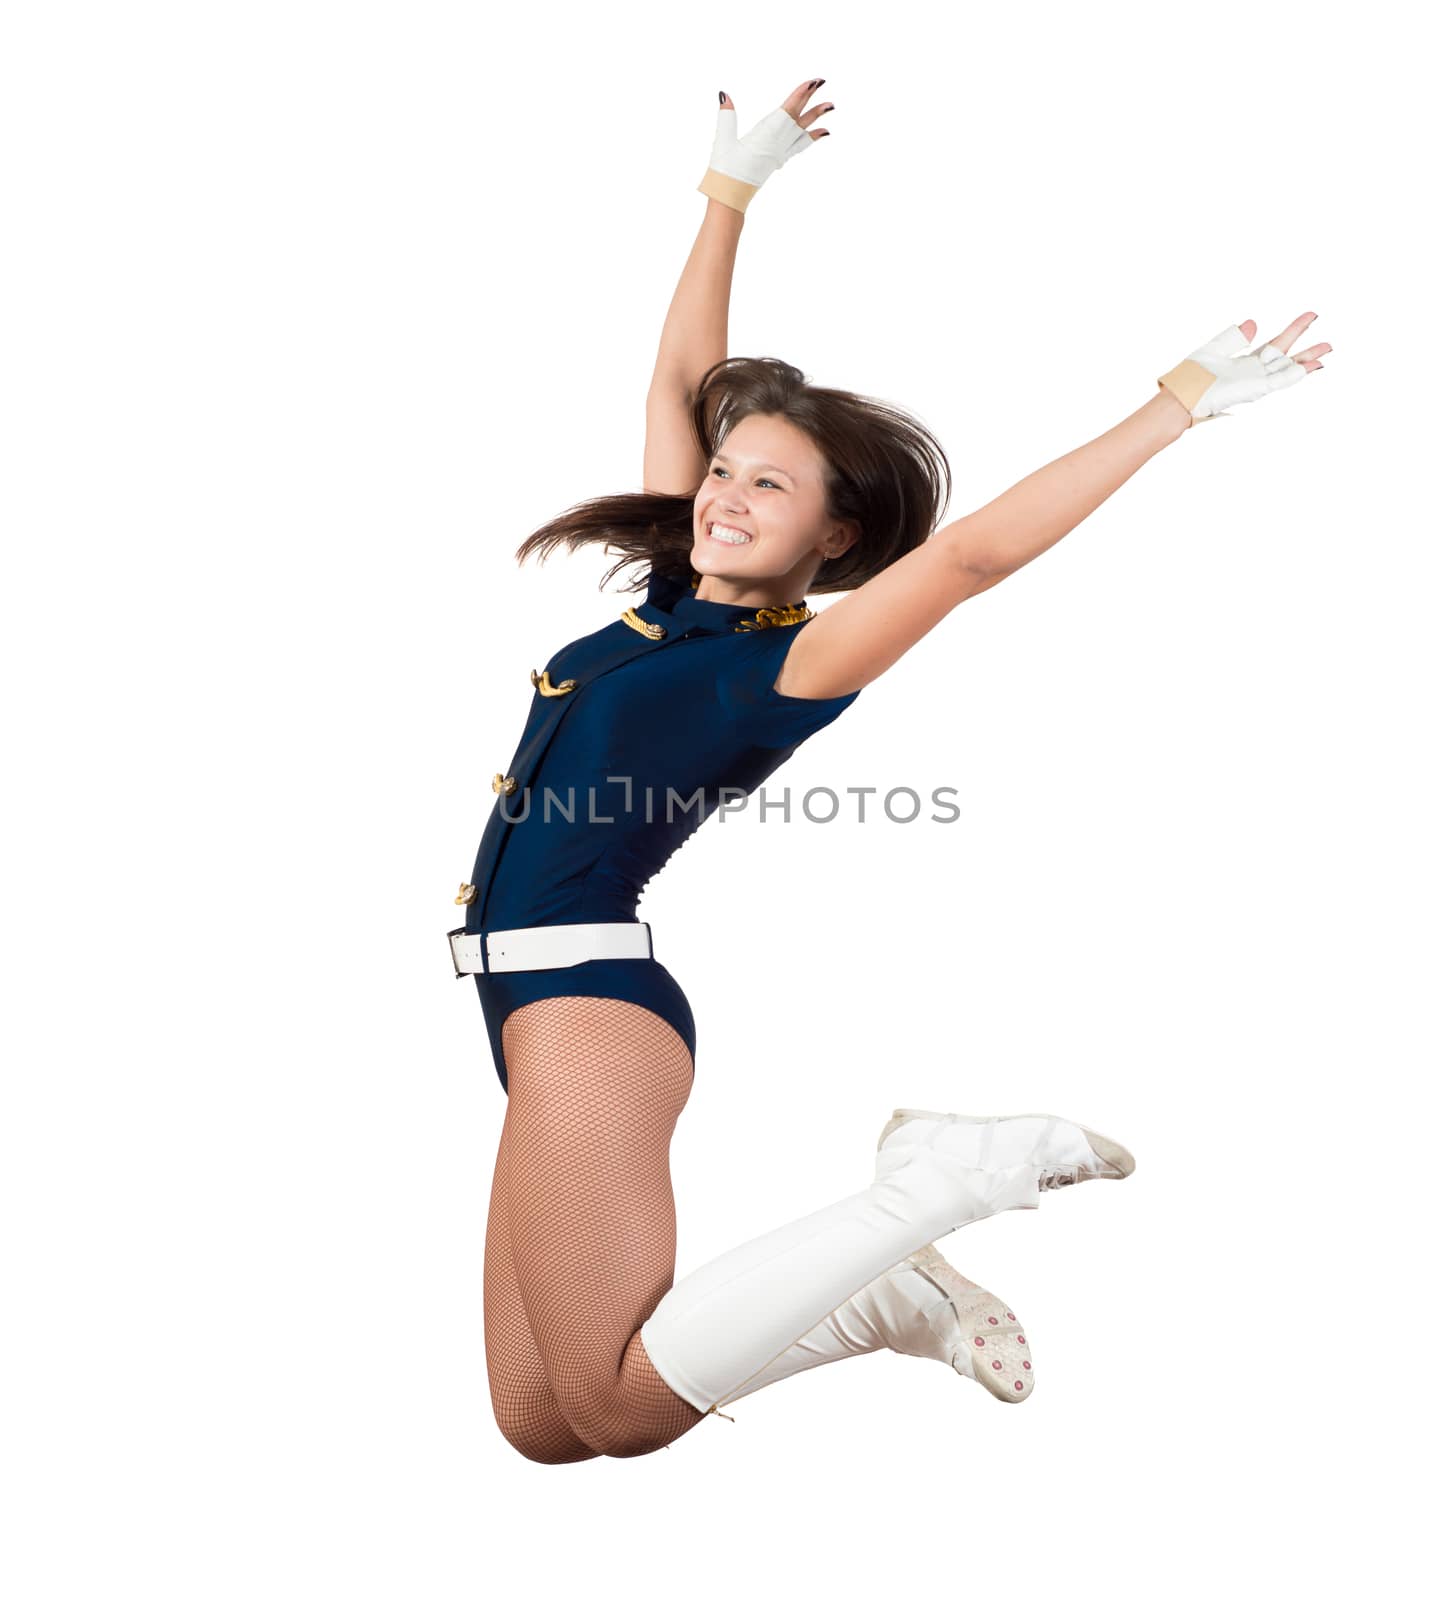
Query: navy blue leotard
693	710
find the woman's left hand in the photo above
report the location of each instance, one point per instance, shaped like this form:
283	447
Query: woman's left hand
1222	373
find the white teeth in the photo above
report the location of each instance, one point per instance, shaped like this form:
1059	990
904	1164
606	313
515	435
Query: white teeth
718	530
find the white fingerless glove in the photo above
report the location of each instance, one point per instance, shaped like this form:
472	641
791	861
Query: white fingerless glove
1223	373
738	167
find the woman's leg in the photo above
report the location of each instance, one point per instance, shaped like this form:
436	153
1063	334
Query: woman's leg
595	1088
635	1359
525	1409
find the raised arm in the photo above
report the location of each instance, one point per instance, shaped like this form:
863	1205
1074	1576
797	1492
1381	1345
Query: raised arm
694	339
694	336
858	637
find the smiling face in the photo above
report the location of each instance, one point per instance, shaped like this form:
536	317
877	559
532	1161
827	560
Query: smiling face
761	524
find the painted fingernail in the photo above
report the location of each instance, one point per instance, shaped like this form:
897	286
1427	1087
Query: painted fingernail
722	97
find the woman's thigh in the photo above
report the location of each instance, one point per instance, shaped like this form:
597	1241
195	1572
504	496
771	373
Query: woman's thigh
595	1088
524	1405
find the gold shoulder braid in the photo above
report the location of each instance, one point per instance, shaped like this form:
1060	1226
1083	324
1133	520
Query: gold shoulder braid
765	617
651	630
775	617
769	616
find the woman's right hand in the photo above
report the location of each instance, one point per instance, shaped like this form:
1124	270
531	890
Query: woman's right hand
1222	373
739	166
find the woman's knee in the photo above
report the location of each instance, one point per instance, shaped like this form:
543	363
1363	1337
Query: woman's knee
530	1424
625	1408
614	1427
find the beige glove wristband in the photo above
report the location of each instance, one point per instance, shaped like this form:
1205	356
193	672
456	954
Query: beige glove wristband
729	191
1188	383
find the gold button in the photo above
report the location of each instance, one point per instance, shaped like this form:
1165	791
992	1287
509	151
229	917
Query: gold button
467	894
541	682
503	785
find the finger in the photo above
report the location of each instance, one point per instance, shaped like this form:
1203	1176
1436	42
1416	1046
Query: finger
726	102
796	100
1293	332
808	117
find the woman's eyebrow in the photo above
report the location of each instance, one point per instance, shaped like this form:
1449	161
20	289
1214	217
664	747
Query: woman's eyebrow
765	465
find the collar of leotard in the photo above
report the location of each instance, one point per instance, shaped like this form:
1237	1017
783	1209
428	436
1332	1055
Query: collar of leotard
673	604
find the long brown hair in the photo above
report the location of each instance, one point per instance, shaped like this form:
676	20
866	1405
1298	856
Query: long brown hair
883	470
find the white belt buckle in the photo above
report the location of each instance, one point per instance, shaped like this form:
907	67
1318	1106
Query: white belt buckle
463	946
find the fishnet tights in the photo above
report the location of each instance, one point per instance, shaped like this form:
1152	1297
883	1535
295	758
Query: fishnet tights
580	1244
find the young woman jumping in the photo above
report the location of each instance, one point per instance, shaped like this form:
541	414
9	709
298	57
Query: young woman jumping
760	489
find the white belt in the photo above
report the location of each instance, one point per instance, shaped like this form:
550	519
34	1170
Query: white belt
558	944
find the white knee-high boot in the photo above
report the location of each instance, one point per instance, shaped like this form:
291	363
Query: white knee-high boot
922	1306
720	1326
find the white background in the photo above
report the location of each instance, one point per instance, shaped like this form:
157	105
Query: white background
312	313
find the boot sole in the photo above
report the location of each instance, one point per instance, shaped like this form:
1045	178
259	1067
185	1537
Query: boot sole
1107	1150
988	1332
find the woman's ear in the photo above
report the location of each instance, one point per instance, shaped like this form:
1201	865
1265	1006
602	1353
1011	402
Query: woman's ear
843	537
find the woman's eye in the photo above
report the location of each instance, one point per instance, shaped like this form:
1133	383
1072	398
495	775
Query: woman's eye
771	481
